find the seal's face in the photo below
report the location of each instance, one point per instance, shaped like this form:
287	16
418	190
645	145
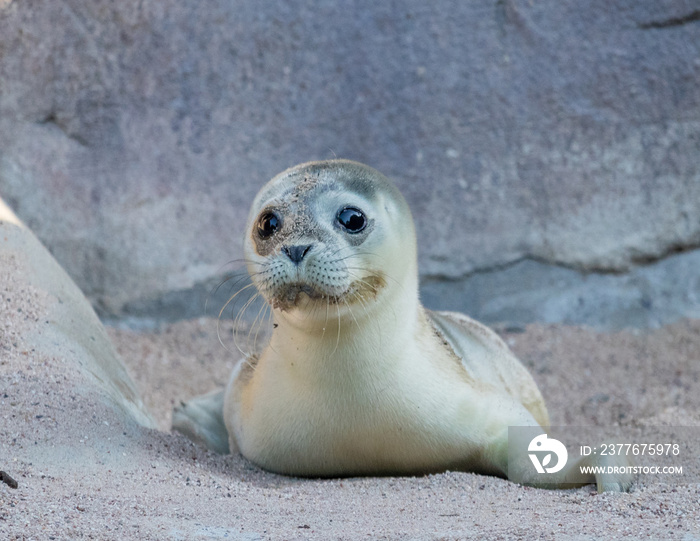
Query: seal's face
328	233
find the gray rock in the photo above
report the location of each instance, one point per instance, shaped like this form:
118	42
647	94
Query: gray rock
529	291
133	135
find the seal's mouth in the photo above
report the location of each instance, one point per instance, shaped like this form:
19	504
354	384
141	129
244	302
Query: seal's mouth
292	292
295	294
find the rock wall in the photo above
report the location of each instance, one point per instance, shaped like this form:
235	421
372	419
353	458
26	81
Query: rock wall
559	134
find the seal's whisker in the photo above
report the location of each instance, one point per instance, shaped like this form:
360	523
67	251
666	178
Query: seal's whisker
236	261
231	299
218	320
238	276
259	322
355	255
363	302
325	323
383	275
352	314
235	320
370	286
351	254
316	310
238	319
218	335
214	290
337	340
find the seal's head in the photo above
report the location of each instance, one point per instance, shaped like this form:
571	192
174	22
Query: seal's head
329	233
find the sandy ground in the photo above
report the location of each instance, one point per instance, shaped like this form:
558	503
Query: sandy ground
84	472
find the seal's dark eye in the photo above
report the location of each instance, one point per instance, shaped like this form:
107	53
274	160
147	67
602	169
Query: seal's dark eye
268	224
352	219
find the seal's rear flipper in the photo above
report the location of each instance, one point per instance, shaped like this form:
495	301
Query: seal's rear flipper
201	419
534	459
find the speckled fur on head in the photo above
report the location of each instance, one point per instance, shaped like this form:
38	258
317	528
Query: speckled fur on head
306	200
321	176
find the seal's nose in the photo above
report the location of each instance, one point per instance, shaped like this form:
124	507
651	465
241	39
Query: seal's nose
296	253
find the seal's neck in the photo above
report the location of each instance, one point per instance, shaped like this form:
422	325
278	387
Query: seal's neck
347	338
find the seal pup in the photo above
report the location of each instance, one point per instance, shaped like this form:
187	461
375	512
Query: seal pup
358	378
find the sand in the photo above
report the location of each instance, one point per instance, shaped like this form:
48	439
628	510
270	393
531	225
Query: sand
86	469
164	487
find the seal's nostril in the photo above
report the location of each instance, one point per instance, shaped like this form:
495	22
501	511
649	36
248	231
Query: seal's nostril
296	253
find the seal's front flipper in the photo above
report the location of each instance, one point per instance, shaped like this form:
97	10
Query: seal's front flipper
201	419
